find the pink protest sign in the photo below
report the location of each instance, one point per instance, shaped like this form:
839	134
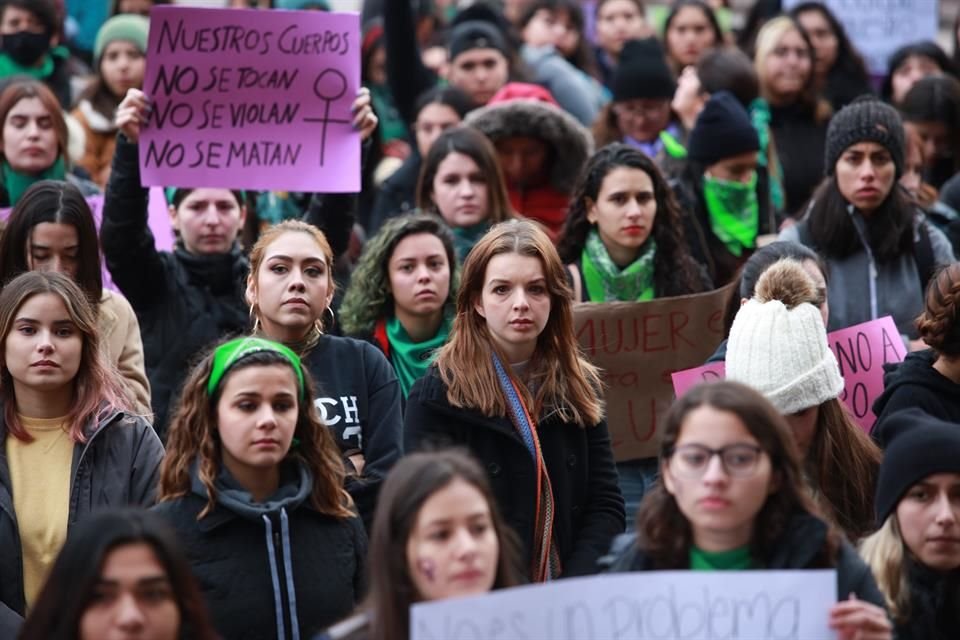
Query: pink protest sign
861	352
684	380
252	100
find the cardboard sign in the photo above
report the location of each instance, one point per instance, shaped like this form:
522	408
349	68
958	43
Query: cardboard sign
861	352
252	100
693	605
880	27
638	345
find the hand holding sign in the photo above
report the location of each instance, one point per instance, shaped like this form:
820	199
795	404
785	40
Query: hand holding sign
132	113
252	100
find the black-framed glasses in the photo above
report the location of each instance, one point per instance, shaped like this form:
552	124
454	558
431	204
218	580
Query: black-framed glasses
738	460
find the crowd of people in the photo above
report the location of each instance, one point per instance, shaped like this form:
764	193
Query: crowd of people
317	410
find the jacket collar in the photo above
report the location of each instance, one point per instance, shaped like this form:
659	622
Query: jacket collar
434	394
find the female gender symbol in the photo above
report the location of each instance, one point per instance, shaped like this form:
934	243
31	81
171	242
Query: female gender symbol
329	86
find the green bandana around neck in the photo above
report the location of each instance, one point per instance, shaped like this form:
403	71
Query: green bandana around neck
42	71
734	212
606	282
412	359
465	237
734	560
16	183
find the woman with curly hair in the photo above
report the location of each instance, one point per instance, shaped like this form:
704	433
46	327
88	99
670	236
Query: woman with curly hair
929	379
733	498
253	486
402	294
623	242
623	238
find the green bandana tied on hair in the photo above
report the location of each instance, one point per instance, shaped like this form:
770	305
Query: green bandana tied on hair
229	353
606	282
734	212
16	183
412	359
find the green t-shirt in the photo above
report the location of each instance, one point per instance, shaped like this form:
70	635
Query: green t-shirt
733	560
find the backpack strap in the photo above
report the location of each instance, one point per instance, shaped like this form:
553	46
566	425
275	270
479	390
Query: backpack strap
923	255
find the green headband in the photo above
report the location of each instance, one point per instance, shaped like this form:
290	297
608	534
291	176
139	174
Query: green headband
229	353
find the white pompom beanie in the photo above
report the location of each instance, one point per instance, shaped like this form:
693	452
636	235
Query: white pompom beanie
783	353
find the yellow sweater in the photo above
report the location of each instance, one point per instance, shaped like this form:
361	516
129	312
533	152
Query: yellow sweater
40	475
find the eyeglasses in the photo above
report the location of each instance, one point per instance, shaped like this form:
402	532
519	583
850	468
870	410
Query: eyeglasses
635	110
738	460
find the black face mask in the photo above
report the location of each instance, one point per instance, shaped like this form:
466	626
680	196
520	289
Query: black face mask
25	47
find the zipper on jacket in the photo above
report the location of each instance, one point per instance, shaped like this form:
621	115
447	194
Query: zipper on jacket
282	573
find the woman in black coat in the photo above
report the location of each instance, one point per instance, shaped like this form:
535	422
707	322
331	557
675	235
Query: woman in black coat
733	497
511	387
253	487
915	554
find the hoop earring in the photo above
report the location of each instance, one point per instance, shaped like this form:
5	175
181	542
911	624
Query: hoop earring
333	318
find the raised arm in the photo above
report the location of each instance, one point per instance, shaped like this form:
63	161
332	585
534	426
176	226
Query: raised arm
128	244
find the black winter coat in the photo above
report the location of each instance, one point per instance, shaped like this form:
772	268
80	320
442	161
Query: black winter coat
184	302
934	604
245	567
798	548
118	465
358	397
579	460
915	383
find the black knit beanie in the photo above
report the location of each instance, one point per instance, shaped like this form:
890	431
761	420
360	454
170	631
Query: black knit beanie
866	119
920	446
477	34
723	130
643	72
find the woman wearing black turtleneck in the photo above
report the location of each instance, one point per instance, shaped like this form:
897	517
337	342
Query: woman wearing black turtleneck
915	555
193	296
798	115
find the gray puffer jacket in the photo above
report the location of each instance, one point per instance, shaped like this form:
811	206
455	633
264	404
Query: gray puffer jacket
861	289
118	465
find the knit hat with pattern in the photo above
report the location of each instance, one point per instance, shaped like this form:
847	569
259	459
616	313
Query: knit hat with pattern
866	119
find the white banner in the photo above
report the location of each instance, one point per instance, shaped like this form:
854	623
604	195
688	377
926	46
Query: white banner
687	605
880	27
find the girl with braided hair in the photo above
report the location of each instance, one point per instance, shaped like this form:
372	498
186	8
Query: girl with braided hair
928	379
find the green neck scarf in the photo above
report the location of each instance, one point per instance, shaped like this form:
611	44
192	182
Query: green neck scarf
734	212
10	67
760	116
733	560
16	183
465	237
412	359
606	282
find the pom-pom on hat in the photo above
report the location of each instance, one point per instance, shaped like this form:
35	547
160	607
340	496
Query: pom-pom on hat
920	446
778	342
643	72
866	119
127	26
723	130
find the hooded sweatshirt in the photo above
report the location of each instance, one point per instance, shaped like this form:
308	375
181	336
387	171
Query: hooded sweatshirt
915	383
272	569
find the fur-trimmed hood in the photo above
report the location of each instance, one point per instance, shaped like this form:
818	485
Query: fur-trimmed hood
571	142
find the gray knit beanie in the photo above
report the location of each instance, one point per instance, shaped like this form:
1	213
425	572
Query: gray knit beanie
866	119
